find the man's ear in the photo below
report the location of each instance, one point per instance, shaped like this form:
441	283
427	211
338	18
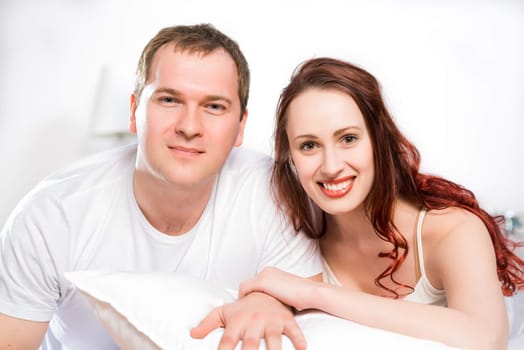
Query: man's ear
240	135
133	104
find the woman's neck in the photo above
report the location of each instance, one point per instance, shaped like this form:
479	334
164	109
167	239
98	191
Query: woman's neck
356	228
351	226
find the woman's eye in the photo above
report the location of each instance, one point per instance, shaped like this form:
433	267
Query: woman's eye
349	139
306	146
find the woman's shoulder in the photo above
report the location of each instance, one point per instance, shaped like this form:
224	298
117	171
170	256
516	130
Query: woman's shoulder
451	235
451	223
451	219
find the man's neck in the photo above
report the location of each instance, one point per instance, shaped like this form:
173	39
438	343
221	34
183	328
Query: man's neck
173	210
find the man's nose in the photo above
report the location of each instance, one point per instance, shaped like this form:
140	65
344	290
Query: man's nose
189	123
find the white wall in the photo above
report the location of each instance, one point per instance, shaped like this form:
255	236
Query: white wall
452	72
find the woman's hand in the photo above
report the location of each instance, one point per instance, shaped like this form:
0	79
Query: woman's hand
290	289
258	316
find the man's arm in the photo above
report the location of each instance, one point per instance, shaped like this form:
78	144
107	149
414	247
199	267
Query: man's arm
18	334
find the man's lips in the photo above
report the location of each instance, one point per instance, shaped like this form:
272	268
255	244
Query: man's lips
337	188
186	150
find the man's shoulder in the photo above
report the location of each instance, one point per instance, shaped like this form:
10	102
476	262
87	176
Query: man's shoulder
91	171
114	156
244	159
246	174
92	183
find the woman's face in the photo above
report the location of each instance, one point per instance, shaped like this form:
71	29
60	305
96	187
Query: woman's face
331	149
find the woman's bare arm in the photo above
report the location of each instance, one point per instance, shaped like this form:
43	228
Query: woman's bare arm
464	259
18	334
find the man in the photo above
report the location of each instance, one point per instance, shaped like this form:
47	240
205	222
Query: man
182	200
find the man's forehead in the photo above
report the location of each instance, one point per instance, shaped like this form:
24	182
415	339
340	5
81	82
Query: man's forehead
167	53
214	74
197	51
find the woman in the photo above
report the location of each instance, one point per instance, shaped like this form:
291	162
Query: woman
404	251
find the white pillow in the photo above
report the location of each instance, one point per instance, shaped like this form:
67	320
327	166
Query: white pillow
157	310
515	307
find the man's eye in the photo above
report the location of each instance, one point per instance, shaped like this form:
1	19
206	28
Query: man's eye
167	99
307	146
216	107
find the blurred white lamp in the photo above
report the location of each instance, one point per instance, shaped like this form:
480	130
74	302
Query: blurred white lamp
110	118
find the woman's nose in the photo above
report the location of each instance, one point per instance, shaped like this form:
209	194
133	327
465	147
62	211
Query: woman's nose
332	162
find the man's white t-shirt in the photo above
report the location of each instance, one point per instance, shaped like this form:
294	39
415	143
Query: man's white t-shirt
85	217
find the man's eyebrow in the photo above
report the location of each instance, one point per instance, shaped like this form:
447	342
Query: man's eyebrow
219	98
167	90
208	98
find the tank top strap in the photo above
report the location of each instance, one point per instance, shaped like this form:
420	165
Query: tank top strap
420	252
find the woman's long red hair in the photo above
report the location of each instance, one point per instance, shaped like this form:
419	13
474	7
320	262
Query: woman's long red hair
396	163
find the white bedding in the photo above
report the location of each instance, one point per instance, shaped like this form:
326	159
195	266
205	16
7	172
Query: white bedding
156	311
515	307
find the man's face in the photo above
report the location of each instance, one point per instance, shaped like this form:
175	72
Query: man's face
188	117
